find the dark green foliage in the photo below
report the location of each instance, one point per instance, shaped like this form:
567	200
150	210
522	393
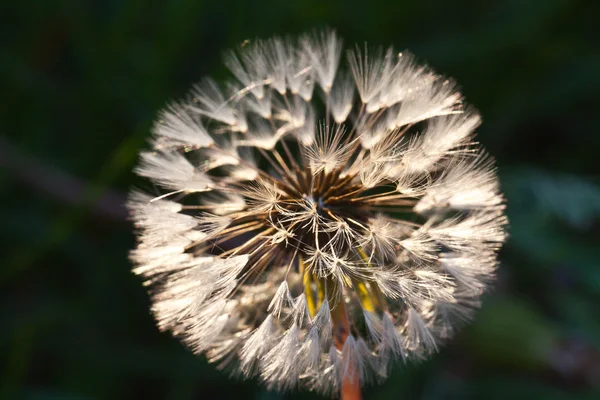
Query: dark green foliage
81	83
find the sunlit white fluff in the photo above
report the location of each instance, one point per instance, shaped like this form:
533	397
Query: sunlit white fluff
324	50
342	96
209	101
371	70
444	136
172	170
468	183
314	220
178	128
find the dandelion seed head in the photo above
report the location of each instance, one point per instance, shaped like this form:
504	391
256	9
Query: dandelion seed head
317	217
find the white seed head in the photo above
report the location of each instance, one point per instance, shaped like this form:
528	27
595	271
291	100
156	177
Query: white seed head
311	240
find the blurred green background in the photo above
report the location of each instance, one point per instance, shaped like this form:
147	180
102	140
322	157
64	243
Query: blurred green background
81	83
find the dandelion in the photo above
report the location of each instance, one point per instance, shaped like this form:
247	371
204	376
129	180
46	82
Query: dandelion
318	217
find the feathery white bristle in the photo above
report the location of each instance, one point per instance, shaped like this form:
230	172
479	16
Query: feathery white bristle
309	354
373	135
420	247
277	54
352	362
466	184
299	70
139	199
224	351
401	80
341	98
430	98
249	68
237	173
370	370
419	339
341	233
278	372
328	152
152	261
257	344
300	311
180	129
383	236
327	378
415	286
391	340
151	253
325	264
322	321
442	135
262	196
410	183
477	230
227	154
324	49
374	326
158	220
223	204
448	316
172	171
470	272
208	100
281	300
371	69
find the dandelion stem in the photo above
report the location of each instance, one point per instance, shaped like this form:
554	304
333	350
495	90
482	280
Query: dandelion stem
350	388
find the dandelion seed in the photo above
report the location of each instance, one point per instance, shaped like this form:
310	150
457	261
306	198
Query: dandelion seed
312	243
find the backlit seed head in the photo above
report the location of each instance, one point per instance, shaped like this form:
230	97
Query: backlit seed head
312	239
